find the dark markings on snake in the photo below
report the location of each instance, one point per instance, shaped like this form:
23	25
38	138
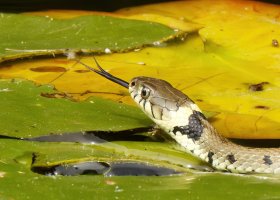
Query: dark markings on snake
199	114
152	111
210	157
193	130
161	114
135	96
267	160
140	100
231	158
144	104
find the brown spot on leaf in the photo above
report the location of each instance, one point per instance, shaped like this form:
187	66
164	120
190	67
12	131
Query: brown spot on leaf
199	100
6	66
82	71
275	43
258	86
54	95
262	107
48	69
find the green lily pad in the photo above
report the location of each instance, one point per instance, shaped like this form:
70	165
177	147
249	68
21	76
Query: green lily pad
27	112
25	35
15	172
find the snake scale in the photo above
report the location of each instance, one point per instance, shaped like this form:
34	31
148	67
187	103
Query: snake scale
176	114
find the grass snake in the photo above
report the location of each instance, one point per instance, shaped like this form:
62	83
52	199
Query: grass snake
176	114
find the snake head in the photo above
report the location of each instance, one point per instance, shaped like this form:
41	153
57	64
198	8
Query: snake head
163	103
160	100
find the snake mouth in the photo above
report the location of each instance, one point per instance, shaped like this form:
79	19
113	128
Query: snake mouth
105	74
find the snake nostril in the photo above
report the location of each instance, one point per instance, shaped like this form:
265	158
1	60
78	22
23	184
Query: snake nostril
132	83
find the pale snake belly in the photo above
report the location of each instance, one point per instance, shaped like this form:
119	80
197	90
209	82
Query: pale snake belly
176	114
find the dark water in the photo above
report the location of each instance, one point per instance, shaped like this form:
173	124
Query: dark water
105	5
105	168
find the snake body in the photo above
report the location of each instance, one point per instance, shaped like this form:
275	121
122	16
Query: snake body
180	117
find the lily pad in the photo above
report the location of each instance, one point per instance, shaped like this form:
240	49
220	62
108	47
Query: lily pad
29	111
17	173
101	34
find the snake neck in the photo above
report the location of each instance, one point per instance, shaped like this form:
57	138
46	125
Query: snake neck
202	140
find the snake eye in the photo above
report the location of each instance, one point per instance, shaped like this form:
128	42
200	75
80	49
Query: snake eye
145	93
